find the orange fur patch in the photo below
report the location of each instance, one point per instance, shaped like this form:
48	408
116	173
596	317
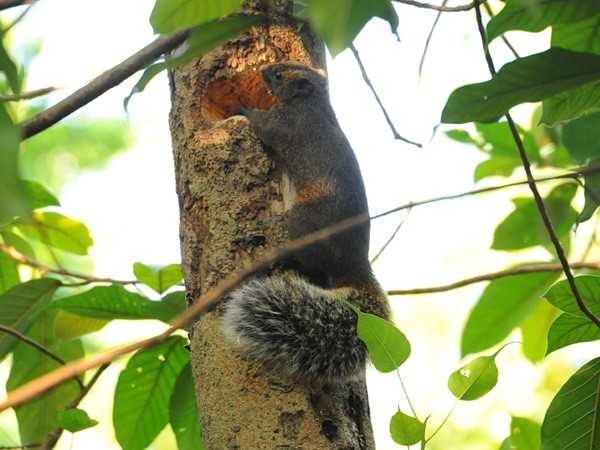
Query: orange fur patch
315	189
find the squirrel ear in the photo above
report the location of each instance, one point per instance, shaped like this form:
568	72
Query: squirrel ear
303	87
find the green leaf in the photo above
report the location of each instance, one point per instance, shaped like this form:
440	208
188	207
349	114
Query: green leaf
406	430
143	392
582	36
496	167
148	75
504	304
461	136
338	22
388	347
475	379
172	304
202	39
58	231
498	137
571	422
39	196
581	137
115	302
9	273
172	15
158	278
535	16
18	243
184	412
561	296
525	434
571	104
591	184
529	79
14	200
75	420
568	329
524	228
496	140
38	417
69	326
534	331
20	307
8	67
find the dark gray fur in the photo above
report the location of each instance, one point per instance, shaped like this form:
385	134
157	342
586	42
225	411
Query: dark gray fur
301	330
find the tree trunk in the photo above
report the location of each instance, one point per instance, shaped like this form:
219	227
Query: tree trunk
232	202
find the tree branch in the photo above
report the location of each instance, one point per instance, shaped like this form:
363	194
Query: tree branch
391	238
6	4
55	434
429	36
47	381
39	347
17	19
531	268
367	80
211	297
531	182
460	8
101	84
27	95
488	9
22	259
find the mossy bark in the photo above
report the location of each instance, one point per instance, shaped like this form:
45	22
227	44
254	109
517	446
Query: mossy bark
232	202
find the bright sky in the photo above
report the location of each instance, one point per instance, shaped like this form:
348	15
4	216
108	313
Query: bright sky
131	206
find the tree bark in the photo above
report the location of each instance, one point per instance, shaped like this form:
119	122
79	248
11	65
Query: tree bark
232	202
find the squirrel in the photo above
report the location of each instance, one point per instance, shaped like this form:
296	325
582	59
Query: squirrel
296	322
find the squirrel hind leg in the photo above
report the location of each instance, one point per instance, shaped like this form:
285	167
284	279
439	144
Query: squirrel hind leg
297	330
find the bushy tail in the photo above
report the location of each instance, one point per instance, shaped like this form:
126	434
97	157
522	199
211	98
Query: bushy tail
297	330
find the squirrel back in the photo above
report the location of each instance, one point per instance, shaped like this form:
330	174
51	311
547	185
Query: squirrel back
297	324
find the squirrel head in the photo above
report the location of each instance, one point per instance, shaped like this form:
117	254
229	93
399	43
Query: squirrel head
293	81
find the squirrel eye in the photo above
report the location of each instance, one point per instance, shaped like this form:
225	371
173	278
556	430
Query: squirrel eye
278	76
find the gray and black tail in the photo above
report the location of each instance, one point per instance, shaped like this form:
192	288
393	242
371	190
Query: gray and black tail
297	330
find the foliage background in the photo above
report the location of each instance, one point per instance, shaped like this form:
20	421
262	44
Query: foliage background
131	208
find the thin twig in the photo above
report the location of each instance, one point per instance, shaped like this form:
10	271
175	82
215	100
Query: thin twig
102	83
488	9
531	182
55	434
429	36
530	268
367	80
6	4
13	254
459	8
577	172
28	95
17	19
32	343
391	238
39	347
